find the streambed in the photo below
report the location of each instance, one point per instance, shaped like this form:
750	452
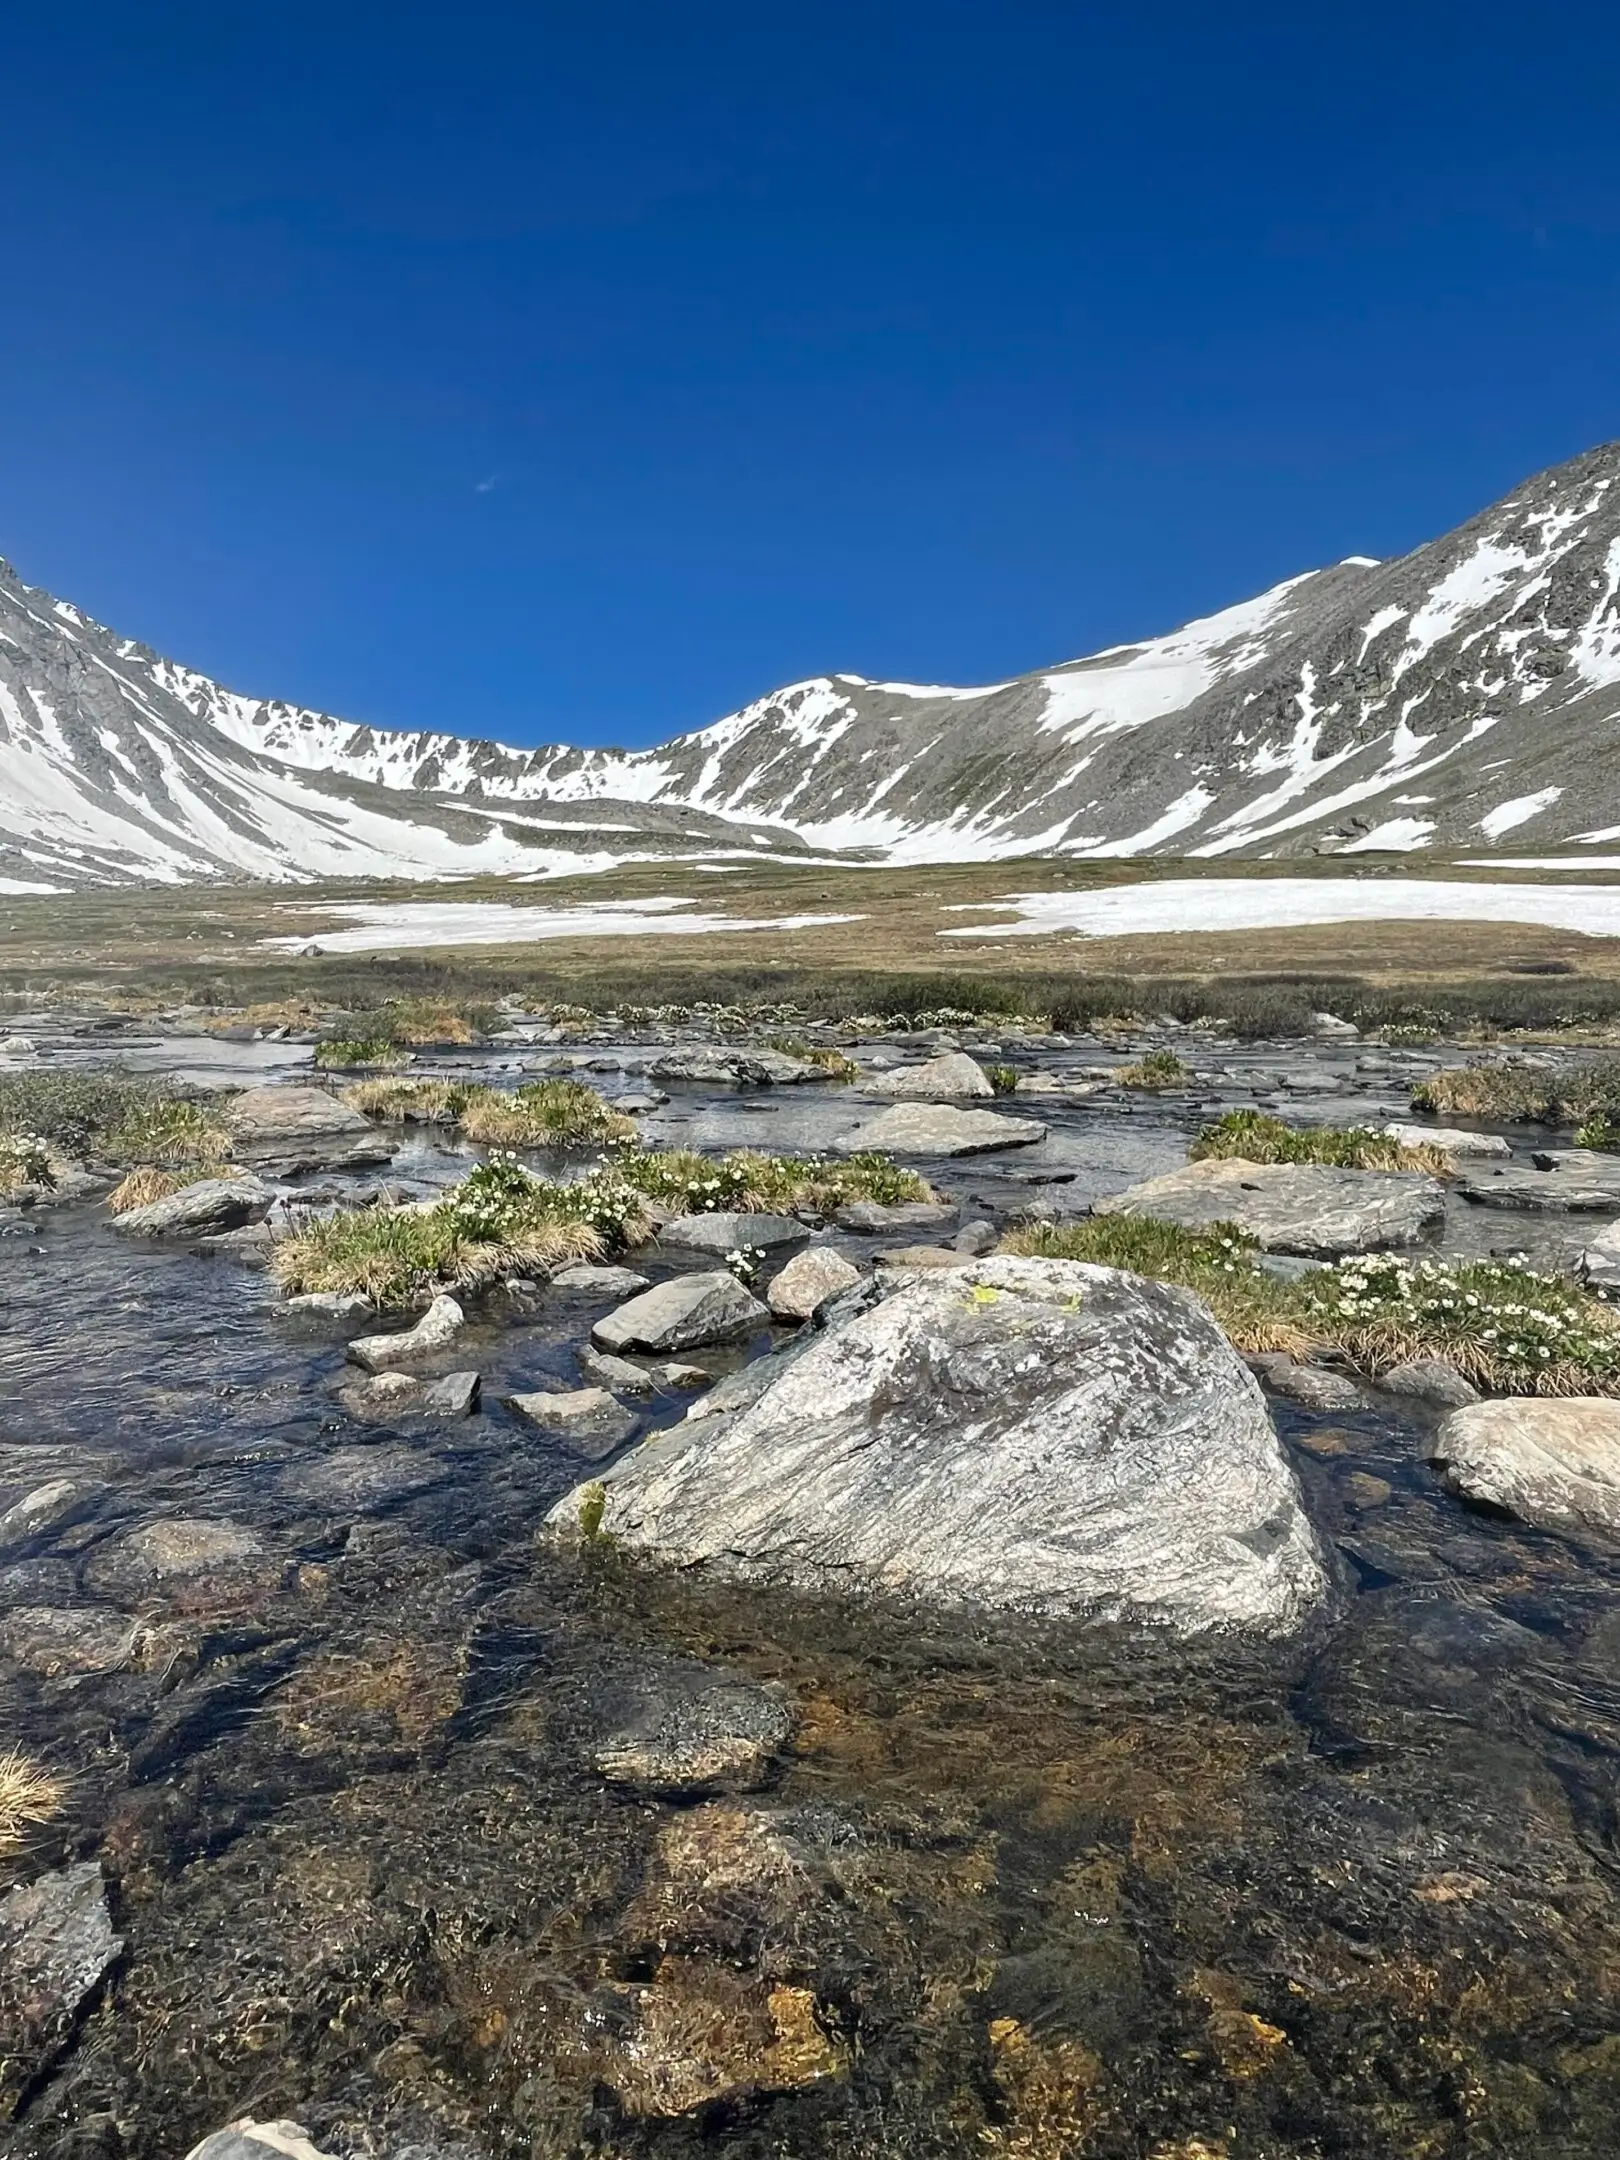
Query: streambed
1013	1890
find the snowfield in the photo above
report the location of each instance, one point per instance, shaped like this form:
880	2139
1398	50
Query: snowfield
1183	904
393	925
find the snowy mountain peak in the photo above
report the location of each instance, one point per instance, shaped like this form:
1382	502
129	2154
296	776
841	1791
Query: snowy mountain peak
1455	696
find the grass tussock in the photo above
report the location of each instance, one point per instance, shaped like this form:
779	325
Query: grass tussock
141	1187
1255	1310
1003	1079
1158	1069
826	1057
117	1116
349	1053
542	1114
29	1796
167	1130
1253	1136
1507	1328
1509	1093
504	1220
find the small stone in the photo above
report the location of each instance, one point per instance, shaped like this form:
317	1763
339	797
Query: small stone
976	1239
1363	1491
955	1076
1314	1387
250	2140
48	1507
616	1374
1325	1442
727	1231
330	1304
683	1315
722	1738
1429	1379
687	1378
870	1218
588	1420
603	1282
809	1279
56	1947
455	1396
438	1326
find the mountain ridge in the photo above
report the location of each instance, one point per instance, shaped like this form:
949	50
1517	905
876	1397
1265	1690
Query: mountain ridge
1348	709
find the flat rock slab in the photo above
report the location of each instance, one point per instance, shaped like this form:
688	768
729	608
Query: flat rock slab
588	1420
939	1129
810	1278
922	1256
1305	1208
683	1315
1452	1138
1550	1461
1574	1181
870	1218
733	1230
61	1641
1040	1435
206	1208
56	1946
720	1736
435	1331
191	1564
953	1077
274	1116
591	1280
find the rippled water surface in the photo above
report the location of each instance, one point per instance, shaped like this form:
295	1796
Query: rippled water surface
1016	1892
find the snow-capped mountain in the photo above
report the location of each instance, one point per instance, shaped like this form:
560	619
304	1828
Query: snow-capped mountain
1464	695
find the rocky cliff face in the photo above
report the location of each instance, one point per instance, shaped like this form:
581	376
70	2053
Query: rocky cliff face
1465	696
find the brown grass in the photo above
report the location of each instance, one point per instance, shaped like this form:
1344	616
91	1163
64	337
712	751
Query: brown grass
29	1796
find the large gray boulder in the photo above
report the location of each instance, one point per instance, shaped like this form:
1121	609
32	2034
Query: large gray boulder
273	1116
682	1315
1041	1435
938	1129
952	1077
1548	1460
211	1205
1305	1208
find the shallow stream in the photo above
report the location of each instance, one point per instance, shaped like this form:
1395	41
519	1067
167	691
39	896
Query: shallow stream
1051	1891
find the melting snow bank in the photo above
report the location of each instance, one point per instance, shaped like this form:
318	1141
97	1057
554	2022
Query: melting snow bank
392	924
1183	904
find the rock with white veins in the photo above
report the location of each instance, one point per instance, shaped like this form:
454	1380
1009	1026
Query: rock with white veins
1310	1209
1041	1435
732	1230
436	1330
211	1205
939	1129
953	1077
1452	1139
683	1315
1553	1461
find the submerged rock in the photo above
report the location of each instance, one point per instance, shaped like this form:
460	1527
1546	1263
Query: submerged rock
1551	1461
56	1946
954	1076
330	1304
719	1735
588	1420
939	1129
190	1563
728	1230
810	1278
870	1218
683	1315
394	1394
365	1477
62	1641
1311	1209
209	1206
48	1507
437	1328
1037	1434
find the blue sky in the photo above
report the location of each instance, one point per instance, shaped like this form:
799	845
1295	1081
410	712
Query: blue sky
580	372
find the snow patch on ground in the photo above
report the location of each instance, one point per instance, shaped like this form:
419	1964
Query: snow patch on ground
396	924
1518	812
1185	904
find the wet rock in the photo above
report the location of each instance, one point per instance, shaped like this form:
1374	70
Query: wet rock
1554	1462
978	1238
1452	1138
188	1563
364	1477
728	1231
274	1116
717	1736
56	1947
389	1395
437	1328
250	2140
1599	1264
211	1205
1314	1387
61	1641
454	1396
700	2032
587	1420
674	1374
618	1375
922	1256
640	1101
1309	1209
871	1219
1363	1492
953	1077
48	1508
602	1282
330	1304
939	1129
1036	1434
1572	1181
683	1315
1429	1379
732	1068
809	1279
